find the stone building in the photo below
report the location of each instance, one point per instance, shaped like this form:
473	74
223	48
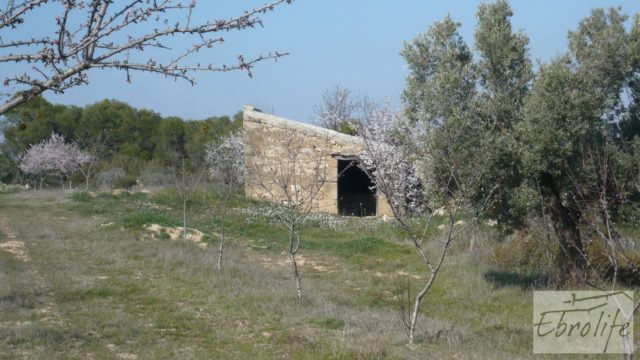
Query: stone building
285	154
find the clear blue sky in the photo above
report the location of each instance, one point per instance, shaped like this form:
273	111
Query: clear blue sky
352	43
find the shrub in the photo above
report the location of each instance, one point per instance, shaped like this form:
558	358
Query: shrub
146	215
153	174
527	251
628	214
125	182
106	177
81	196
603	265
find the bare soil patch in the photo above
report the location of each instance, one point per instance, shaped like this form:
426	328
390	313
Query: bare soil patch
156	231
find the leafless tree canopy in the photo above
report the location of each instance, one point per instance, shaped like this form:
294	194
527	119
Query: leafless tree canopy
186	185
106	34
291	183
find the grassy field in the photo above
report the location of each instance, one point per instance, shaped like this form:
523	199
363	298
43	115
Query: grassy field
88	284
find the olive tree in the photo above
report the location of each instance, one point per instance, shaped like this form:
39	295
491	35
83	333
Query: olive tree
533	131
576	107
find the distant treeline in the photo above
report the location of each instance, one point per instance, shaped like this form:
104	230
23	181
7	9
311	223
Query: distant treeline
133	141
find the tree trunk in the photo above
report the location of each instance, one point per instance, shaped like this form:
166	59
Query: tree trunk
434	270
565	224
416	306
293	250
221	248
296	275
184	219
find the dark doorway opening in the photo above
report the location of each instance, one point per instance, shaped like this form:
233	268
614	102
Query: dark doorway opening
355	196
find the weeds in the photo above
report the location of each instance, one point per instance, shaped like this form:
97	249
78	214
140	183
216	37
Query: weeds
145	215
159	299
81	196
329	323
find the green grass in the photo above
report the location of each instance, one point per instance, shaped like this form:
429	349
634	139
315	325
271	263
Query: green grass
330	323
81	196
352	246
144	216
95	291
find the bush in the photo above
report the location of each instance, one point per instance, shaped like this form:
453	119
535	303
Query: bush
529	250
125	182
106	177
628	214
144	216
153	174
626	274
81	196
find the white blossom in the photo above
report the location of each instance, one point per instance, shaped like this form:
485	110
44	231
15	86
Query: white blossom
389	157
226	160
337	108
53	156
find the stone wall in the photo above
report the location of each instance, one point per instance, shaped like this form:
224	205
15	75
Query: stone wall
274	146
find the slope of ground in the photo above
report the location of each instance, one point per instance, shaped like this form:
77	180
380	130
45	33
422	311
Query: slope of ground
78	279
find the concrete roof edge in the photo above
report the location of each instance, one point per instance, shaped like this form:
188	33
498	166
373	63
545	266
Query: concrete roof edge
283	122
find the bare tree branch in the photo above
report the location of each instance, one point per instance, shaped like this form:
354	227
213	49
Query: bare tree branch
104	40
291	182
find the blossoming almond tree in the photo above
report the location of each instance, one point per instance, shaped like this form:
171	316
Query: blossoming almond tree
336	110
416	168
53	156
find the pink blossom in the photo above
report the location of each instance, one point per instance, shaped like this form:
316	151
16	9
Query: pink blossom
53	156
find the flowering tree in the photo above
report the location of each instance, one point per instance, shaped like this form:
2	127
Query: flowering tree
416	167
336	110
389	161
226	159
53	156
107	34
226	167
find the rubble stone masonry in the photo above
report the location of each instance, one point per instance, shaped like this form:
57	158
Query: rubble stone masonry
268	140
